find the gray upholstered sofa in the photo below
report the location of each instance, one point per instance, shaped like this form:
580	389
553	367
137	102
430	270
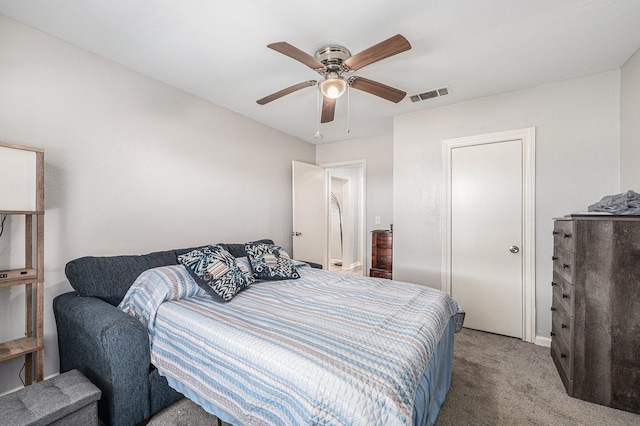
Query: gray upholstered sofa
109	347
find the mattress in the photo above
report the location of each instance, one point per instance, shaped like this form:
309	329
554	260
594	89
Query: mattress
326	349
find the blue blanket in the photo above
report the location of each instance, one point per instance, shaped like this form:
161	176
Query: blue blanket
325	349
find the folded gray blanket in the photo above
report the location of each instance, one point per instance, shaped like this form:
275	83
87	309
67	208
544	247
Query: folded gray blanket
627	203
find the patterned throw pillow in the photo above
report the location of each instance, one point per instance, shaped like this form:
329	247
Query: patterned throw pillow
246	263
217	271
270	262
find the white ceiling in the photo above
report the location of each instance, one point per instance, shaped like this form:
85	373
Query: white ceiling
217	49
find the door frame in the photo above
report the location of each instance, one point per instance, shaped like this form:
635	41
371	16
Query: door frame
527	138
362	212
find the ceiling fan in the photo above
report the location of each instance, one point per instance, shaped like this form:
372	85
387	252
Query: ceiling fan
333	63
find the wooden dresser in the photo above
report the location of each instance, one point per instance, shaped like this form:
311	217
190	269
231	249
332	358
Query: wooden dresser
381	254
596	308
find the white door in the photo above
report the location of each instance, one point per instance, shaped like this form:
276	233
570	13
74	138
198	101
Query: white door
310	197
486	235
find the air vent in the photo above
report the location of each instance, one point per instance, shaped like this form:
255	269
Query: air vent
435	93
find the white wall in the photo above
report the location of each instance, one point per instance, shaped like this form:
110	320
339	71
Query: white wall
378	154
577	162
630	124
131	165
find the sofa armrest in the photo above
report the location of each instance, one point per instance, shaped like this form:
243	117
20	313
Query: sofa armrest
111	349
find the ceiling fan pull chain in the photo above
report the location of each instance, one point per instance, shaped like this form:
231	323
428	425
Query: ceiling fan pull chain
348	108
318	135
318	108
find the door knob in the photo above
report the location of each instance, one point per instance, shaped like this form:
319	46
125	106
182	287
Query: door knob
296	234
514	249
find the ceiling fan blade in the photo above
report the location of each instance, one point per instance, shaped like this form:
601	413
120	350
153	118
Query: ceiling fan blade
382	90
328	109
297	54
382	50
283	92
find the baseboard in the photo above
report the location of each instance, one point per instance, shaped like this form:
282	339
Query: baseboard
543	341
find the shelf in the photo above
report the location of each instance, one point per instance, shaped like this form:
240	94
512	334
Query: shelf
14	277
22	212
18	347
31	273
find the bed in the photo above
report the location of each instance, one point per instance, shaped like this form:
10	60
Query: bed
322	349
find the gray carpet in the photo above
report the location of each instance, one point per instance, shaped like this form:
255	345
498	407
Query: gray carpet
496	380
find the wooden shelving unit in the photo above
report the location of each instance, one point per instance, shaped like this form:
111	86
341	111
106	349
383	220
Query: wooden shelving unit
32	274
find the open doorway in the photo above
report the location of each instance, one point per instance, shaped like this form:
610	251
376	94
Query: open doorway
336	221
346	236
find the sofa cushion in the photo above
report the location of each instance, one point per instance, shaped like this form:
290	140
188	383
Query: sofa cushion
238	250
109	277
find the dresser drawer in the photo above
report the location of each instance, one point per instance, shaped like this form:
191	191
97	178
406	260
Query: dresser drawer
383	241
563	359
378	273
562	326
383	262
563	263
382	252
563	235
563	294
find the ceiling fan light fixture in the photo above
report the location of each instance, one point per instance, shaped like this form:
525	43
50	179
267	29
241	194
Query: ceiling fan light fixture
333	87
331	62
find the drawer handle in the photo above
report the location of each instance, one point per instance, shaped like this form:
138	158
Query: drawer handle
553	309
563	325
553	283
552	334
565	296
565	266
565	235
563	356
554	257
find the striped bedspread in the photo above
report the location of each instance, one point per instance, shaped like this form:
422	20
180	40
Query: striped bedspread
325	349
